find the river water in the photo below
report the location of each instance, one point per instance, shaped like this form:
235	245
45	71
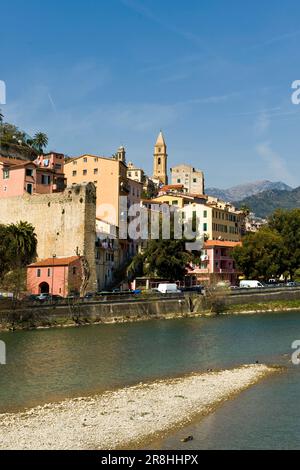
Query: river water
50	365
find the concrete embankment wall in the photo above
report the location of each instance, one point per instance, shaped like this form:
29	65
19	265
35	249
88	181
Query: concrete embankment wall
40	316
264	295
130	310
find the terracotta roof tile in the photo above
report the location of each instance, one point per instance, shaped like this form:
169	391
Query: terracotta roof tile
221	243
54	262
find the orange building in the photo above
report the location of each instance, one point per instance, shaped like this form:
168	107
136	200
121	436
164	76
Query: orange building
109	175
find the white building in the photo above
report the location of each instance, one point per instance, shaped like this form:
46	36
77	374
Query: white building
191	178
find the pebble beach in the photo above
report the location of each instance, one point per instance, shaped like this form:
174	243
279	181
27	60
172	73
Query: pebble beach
126	417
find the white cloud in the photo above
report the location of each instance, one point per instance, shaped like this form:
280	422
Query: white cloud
262	123
277	165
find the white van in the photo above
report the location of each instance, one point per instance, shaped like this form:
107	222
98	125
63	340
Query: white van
168	289
250	284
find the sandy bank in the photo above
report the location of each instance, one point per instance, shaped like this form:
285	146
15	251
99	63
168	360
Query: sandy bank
131	414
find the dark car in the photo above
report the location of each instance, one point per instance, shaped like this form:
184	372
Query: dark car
43	297
55	298
31	298
197	289
89	295
291	284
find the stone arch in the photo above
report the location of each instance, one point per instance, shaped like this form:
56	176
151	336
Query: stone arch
44	288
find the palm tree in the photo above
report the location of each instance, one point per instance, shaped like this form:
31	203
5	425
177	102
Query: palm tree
40	141
24	241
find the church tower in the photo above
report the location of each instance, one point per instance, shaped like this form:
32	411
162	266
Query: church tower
121	154
160	160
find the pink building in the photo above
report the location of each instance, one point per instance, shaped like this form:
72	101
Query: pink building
54	163
43	176
216	265
57	276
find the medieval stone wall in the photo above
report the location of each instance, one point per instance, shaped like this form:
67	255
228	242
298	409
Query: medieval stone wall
64	222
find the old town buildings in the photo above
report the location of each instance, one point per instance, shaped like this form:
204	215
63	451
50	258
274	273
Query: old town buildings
80	205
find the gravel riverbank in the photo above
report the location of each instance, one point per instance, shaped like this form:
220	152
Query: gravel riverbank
127	416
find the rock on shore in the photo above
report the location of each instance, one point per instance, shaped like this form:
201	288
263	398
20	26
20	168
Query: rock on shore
126	416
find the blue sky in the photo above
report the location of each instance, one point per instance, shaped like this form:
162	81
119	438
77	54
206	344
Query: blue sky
214	75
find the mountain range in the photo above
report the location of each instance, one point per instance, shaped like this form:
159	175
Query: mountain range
266	202
242	191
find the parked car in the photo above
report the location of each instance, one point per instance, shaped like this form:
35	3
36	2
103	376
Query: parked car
55	298
251	284
291	284
136	291
89	295
197	289
43	297
31	298
168	288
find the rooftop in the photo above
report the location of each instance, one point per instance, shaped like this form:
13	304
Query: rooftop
55	262
15	162
222	243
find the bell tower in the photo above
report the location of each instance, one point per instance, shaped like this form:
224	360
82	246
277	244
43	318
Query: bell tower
160	160
121	154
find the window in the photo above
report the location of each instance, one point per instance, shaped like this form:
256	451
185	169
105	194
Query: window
5	173
179	180
194	221
95	159
205	214
85	160
38	273
57	166
159	161
95	171
49	272
74	270
194	180
29	188
205	227
75	162
129	174
29	172
84	172
136	173
46	179
74	173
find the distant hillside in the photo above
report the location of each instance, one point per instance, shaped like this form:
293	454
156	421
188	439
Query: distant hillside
263	204
242	191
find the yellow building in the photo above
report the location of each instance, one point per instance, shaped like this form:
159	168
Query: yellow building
218	220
